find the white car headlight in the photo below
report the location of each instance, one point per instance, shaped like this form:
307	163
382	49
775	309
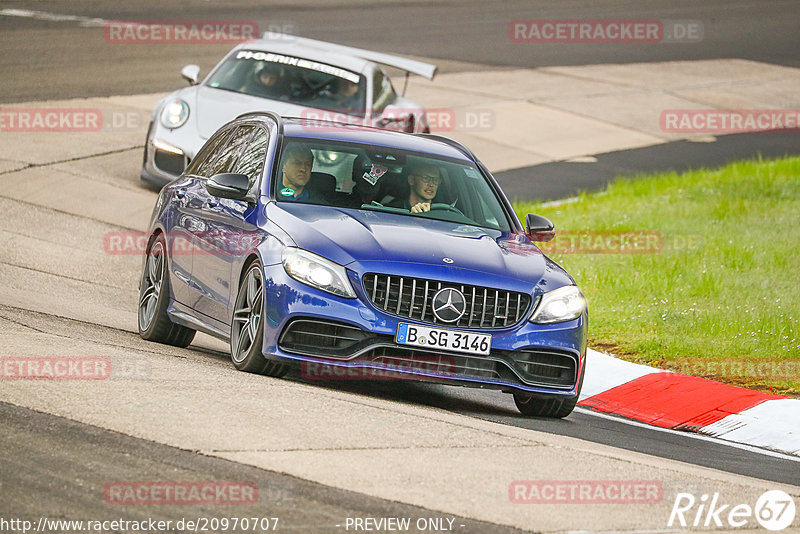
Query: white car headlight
316	271
562	304
175	113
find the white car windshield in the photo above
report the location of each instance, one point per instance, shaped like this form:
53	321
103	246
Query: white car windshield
351	175
292	79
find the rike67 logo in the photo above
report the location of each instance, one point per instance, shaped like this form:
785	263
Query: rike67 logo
774	510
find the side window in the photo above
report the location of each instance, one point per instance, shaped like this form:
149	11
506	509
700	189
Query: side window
205	158
382	91
229	151
251	162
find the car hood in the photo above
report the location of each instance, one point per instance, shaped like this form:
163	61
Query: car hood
361	238
215	107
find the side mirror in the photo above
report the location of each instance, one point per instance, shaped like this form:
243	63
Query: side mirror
191	73
229	185
539	228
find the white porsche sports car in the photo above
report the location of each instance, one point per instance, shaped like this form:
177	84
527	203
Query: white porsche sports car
291	76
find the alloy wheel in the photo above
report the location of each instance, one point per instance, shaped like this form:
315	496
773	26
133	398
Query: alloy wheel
152	280
247	314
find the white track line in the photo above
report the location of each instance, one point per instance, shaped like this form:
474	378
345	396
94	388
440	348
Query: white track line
53	17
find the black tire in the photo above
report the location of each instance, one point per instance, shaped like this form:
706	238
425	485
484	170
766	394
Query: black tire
551	407
154	323
247	326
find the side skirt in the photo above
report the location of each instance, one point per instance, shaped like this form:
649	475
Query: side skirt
185	316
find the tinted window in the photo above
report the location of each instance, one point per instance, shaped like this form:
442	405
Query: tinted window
205	158
251	162
229	151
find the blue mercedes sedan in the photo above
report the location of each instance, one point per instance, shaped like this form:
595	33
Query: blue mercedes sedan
352	252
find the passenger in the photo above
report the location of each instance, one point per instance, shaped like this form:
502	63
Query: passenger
423	180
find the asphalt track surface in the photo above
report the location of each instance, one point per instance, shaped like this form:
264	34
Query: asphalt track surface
47	452
43	456
62	59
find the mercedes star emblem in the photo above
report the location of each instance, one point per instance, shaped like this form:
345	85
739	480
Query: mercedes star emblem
449	305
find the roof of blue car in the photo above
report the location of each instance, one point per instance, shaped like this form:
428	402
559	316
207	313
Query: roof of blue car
371	136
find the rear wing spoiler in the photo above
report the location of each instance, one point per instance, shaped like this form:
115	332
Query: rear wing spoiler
409	65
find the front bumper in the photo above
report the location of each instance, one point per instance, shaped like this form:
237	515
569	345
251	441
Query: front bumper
337	338
167	153
159	166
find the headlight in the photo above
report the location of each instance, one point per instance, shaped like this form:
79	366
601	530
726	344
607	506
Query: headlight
562	304
175	113
316	271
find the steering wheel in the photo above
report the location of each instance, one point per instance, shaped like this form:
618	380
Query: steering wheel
446	207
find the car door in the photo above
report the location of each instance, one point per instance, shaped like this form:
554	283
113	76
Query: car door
230	225
185	224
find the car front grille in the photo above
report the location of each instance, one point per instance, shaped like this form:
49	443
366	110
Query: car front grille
411	298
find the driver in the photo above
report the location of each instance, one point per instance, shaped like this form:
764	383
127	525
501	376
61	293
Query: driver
423	180
267	82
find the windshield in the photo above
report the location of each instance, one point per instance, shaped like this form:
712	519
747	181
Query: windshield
292	79
351	175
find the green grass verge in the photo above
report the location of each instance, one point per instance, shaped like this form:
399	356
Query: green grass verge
720	296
